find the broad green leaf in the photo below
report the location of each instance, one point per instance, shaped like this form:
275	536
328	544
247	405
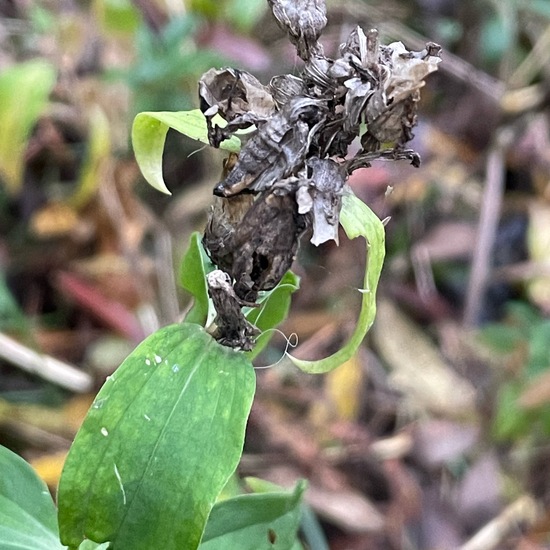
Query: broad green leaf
24	91
358	220
255	521
149	135
159	443
274	307
27	511
195	266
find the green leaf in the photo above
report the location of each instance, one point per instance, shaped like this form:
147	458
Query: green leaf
27	511
358	220
159	443
149	135
194	267
11	315
255	521
501	338
245	14
511	421
274	307
24	91
118	16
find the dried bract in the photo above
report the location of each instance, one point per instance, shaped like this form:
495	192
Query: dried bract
277	150
303	21
323	198
232	328
260	249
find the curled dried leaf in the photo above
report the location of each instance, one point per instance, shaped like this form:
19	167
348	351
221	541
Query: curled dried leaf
277	150
233	93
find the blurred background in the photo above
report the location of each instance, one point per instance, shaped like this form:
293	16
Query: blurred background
436	435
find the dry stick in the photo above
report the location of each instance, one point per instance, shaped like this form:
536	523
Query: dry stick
537	58
45	366
487	228
111	201
520	514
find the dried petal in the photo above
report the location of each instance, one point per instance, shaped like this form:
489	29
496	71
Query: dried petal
328	179
408	70
284	87
277	150
234	92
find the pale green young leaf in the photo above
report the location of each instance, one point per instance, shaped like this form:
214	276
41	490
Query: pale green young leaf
149	135
265	521
358	220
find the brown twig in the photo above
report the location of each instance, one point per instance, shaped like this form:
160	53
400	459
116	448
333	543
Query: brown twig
487	228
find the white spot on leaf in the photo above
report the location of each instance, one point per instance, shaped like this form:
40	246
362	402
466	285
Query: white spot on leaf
119	479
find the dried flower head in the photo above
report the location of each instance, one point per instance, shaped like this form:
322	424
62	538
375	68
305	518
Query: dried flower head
293	167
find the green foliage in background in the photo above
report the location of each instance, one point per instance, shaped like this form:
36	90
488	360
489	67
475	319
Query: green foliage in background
523	338
24	92
168	65
240	14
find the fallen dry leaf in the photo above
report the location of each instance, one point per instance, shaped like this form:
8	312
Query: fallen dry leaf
428	383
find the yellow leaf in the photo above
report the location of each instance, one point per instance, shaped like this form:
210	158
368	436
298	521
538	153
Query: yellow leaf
538	243
343	387
24	91
54	220
48	467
